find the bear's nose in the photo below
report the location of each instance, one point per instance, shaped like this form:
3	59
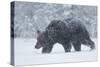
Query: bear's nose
37	47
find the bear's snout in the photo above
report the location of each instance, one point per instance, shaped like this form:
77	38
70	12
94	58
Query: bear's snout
37	46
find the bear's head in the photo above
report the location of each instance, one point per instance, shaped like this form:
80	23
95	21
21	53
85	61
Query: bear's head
41	40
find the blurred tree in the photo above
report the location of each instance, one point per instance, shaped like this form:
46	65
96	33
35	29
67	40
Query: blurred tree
30	17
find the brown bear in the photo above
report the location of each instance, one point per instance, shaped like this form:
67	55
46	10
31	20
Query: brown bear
66	32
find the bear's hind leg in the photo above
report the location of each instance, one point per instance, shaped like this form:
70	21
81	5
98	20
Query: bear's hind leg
77	46
47	49
90	43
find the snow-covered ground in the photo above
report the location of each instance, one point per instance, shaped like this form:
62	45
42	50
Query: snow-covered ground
26	54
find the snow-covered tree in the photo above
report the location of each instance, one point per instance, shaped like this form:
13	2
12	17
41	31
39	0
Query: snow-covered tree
30	17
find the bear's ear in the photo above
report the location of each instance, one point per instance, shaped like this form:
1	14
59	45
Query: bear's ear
38	32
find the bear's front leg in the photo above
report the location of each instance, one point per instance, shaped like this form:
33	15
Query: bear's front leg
67	47
47	49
